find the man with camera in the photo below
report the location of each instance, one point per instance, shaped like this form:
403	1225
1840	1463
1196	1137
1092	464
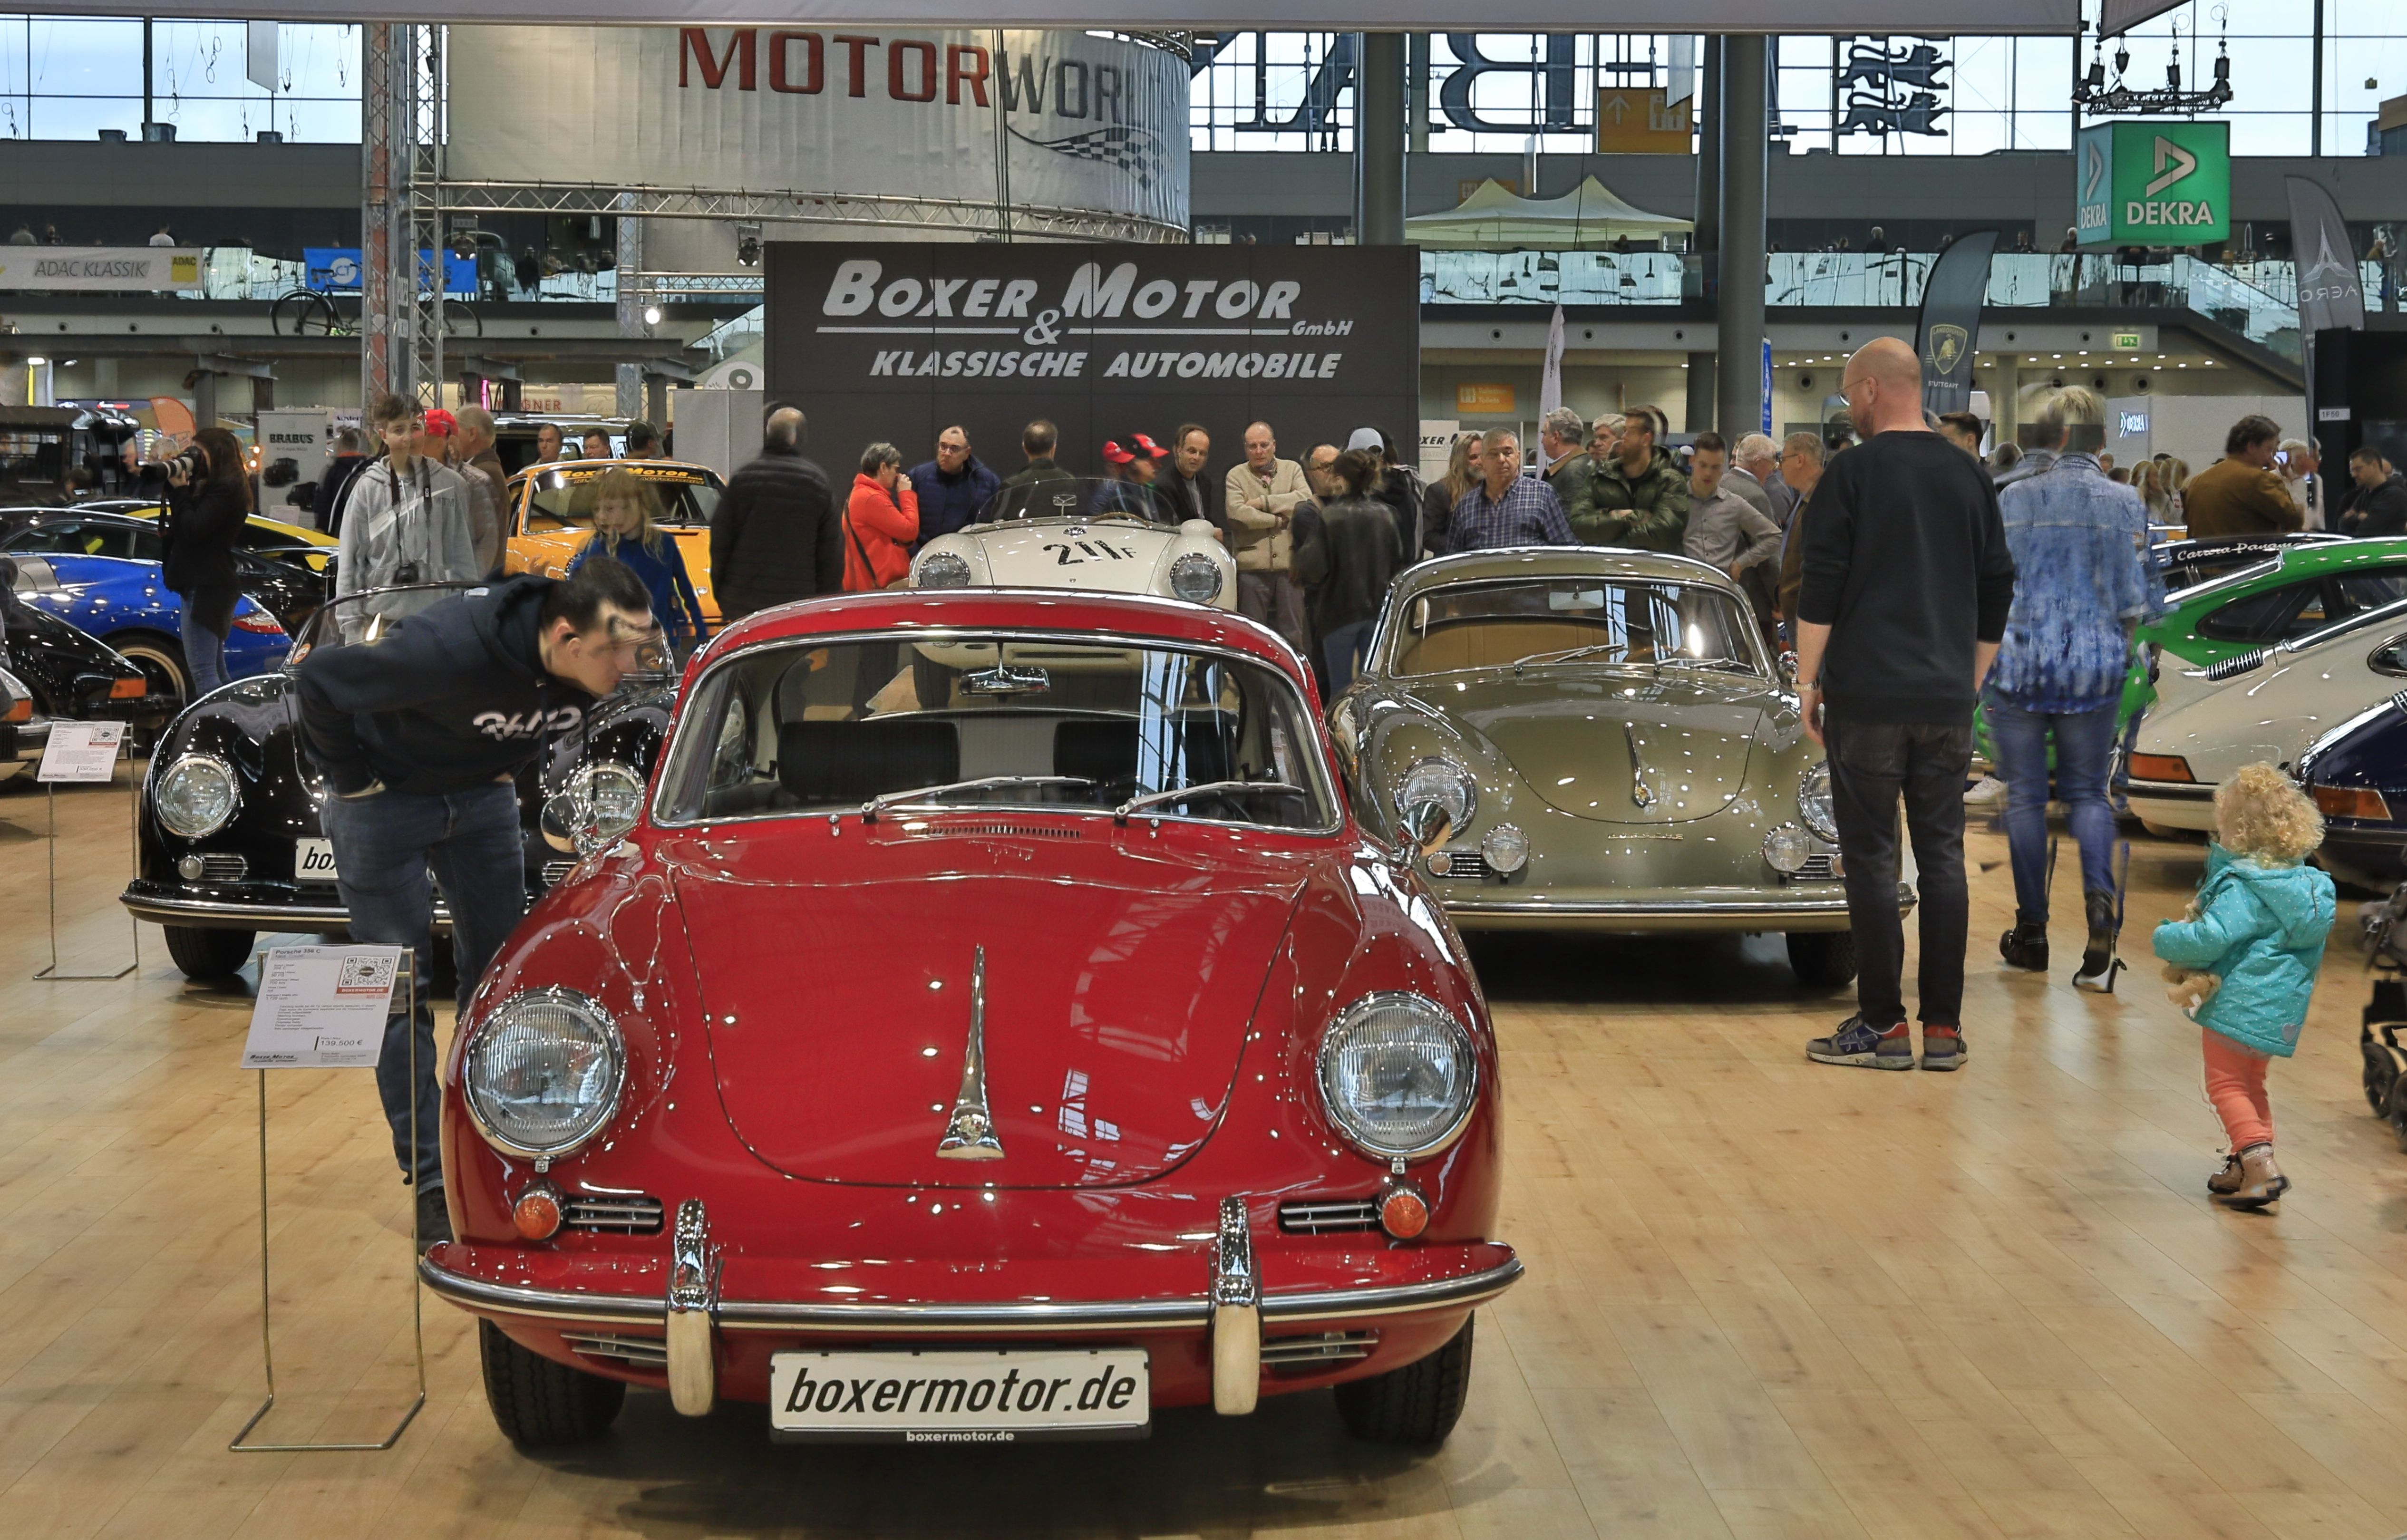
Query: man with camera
420	735
406	520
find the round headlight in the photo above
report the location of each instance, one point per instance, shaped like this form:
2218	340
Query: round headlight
1195	578
1398	1076
1441	782
196	797
942	569
544	1072
614	797
1814	803
1787	849
1506	848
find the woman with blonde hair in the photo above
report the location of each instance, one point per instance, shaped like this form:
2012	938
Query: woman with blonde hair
1440	497
626	526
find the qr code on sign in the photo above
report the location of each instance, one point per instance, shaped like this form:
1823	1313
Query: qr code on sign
365	976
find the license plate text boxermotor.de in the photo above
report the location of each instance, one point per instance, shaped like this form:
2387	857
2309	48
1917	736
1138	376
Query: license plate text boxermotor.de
959	1397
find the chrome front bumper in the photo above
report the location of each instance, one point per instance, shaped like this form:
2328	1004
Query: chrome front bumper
1824	909
1231	1305
226	914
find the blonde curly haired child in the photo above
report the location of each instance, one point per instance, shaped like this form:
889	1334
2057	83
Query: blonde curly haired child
2243	964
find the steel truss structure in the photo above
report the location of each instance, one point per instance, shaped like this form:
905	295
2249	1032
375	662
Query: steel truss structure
866	209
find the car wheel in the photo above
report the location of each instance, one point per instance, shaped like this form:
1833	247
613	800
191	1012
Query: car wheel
2398	1112
208	954
1417	1404
161	663
538	1403
1824	959
933	682
2381	1073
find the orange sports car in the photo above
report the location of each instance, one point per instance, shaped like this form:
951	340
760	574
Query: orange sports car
551	514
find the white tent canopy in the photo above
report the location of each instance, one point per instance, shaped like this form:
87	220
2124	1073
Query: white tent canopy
1587	218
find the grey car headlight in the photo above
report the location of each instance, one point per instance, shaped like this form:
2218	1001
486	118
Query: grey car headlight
600	803
1195	578
942	569
1814	803
1787	849
197	795
1442	782
1506	848
1398	1076
543	1075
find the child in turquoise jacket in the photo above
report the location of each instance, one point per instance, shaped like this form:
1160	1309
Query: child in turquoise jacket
2243	964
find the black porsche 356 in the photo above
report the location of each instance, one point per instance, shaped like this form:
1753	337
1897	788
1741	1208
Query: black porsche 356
228	830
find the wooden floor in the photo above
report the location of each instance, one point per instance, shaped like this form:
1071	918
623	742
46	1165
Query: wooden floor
1765	1298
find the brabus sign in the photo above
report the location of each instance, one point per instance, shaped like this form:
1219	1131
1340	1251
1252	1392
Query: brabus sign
899	341
2154	184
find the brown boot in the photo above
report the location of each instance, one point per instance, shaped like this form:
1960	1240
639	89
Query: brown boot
2226	1181
2260	1181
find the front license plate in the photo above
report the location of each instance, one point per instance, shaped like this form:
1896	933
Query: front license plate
313	861
1001	1397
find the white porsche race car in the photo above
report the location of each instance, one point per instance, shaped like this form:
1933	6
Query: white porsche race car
2270	705
1082	533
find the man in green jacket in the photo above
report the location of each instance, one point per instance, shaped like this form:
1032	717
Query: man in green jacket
1025	487
1642	498
1562	438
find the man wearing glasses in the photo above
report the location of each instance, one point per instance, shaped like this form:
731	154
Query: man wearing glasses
420	735
1907	583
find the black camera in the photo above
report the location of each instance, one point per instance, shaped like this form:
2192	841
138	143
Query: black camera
406	574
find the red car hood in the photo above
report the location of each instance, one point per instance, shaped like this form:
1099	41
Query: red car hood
1122	973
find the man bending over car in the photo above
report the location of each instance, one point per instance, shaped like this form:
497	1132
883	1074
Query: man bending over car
420	735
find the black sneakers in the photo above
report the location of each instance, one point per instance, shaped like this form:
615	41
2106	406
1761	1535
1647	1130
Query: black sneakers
2026	945
433	1219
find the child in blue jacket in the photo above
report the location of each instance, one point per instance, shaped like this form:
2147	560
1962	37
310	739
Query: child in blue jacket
2243	964
626	525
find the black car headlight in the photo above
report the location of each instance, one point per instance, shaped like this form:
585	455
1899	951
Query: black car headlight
1398	1076
942	569
196	797
1814	803
1195	578
543	1073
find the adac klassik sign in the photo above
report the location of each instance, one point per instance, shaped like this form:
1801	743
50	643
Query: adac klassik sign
897	341
2154	184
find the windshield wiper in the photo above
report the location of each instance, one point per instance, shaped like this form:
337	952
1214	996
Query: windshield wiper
1565	654
870	810
1181	794
1728	665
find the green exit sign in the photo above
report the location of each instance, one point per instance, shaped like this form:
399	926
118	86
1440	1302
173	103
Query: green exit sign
2127	342
2153	184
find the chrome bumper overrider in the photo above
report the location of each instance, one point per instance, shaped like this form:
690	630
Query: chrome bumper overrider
1232	1308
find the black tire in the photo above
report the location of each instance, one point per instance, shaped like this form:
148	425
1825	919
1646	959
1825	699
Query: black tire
2398	1112
161	662
1823	958
1416	1405
932	682
304	312
206	955
539	1404
2381	1073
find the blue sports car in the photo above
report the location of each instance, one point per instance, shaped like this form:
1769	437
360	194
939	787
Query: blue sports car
126	604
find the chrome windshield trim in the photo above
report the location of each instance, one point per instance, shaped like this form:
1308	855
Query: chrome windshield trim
1022	1316
667	760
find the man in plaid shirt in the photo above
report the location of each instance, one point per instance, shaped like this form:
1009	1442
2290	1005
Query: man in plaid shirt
1508	509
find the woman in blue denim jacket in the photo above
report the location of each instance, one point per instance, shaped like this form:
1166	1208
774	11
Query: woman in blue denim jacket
2079	542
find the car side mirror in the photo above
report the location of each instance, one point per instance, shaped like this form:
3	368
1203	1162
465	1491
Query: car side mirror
1789	670
1426	825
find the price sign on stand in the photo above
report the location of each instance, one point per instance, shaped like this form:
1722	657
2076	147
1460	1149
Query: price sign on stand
81	751
320	1008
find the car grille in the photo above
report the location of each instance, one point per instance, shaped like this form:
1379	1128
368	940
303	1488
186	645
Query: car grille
1467	861
635	1213
1322	1349
1316	1216
635	1352
556	872
991	831
1822	866
223	868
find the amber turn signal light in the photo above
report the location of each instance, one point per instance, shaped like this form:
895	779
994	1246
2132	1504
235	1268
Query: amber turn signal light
2351	802
1403	1213
20	712
2160	767
132	687
536	1213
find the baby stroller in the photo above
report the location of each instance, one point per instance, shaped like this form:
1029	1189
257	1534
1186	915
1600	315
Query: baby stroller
2386	1015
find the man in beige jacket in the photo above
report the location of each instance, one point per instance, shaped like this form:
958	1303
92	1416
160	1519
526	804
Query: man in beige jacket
1262	496
488	502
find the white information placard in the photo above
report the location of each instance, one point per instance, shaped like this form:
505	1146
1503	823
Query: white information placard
320	1008
81	751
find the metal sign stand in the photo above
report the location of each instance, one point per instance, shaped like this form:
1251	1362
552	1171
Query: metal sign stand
52	975
409	969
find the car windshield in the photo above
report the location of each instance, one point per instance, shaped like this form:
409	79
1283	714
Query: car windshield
1063	495
564	499
989	719
1535	622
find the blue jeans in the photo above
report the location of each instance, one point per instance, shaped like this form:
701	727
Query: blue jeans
1343	649
384	846
2085	748
207	614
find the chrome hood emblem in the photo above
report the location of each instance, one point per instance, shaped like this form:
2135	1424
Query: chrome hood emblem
969	1134
1640	793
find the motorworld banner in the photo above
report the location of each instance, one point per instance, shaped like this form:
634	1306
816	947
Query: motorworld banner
897	341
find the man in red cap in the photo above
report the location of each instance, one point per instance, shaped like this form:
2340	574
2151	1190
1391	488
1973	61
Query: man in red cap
1132	461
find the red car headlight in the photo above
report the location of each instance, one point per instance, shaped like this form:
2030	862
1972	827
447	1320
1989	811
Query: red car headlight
1398	1076
544	1073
